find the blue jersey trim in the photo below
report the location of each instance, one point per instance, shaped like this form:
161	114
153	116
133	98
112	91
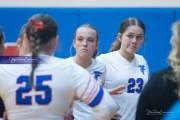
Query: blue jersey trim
98	98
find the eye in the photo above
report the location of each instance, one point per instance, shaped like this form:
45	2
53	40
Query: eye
130	36
139	37
90	40
79	39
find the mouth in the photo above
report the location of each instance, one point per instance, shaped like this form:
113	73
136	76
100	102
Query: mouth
84	50
133	47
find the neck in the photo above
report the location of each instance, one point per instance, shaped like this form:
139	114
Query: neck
47	50
128	56
83	62
42	52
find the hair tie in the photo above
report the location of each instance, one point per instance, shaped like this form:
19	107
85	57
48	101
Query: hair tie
38	25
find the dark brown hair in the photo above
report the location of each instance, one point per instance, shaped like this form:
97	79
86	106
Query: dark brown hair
38	37
123	27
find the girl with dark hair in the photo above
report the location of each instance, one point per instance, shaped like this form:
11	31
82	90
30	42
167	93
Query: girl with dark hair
125	67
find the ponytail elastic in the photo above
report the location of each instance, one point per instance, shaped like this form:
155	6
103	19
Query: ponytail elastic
38	25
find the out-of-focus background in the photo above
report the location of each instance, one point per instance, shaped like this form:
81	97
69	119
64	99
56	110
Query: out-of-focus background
105	15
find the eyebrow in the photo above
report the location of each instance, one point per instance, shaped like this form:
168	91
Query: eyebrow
133	33
87	37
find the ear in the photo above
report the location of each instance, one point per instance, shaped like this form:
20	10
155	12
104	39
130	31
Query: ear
74	44
97	45
18	43
119	37
25	39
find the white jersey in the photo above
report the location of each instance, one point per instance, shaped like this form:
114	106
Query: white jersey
98	71
57	83
134	75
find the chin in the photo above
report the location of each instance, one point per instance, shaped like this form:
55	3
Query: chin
85	55
131	52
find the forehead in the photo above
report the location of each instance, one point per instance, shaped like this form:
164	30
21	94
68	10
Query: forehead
134	29
88	32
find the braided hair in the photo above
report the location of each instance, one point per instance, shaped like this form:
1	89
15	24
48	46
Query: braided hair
40	29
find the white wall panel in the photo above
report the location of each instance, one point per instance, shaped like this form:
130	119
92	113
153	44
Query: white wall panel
90	3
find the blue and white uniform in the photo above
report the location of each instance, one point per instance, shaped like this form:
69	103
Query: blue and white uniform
56	84
98	71
134	75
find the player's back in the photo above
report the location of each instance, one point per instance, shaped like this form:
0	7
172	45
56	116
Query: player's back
55	84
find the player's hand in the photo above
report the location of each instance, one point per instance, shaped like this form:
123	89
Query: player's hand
116	117
68	118
5	116
116	90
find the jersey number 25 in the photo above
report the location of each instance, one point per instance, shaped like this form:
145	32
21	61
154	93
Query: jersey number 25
20	100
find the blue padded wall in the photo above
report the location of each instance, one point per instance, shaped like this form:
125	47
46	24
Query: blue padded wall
158	23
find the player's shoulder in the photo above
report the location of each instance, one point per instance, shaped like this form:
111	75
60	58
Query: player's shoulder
57	60
76	70
73	65
163	72
110	54
140	58
108	57
96	62
70	59
96	65
15	67
50	62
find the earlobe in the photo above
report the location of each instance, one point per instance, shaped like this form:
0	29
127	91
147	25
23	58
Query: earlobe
74	44
119	37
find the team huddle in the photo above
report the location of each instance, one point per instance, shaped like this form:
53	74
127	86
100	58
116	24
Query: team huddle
112	86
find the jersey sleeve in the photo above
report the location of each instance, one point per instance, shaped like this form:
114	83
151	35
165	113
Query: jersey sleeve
89	91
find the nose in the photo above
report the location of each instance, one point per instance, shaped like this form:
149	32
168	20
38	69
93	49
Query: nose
85	43
134	40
